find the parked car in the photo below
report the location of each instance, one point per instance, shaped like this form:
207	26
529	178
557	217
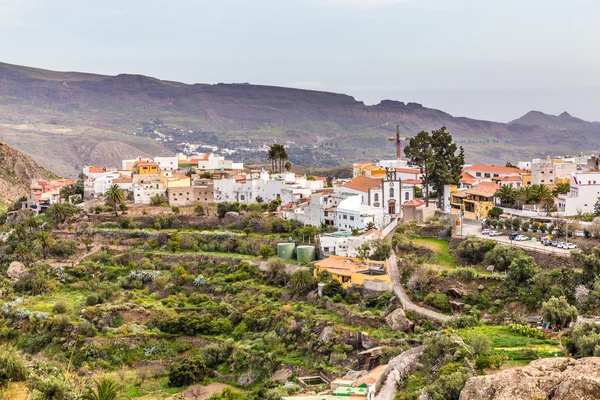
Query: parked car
569	246
555	243
485	231
561	245
521	238
512	236
495	233
547	242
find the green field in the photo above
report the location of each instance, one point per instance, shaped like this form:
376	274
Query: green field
439	246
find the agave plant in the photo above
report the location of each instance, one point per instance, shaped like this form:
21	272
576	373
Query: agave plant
200	281
106	389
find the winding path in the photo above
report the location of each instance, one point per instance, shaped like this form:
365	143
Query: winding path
401	366
405	301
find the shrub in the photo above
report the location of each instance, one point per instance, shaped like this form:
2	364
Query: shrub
266	251
59	307
438	300
501	256
64	247
481	345
187	372
332	288
524	330
473	250
302	281
12	364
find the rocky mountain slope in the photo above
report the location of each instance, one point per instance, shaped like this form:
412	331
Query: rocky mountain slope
61	117
551	379
17	171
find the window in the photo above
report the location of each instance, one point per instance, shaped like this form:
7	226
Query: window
487	175
391	192
542	181
551	180
345	216
406	196
351	218
376	197
478	174
242	197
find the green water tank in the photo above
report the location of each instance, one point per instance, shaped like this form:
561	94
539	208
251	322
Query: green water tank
285	250
305	254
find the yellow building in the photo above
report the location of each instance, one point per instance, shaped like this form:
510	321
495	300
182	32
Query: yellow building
476	202
352	271
145	168
171	180
527	178
369	170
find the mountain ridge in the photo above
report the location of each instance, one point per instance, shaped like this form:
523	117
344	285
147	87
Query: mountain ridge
132	111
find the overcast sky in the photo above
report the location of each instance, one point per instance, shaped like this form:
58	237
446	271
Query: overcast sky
492	59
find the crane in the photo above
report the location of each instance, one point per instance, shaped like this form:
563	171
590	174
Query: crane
398	141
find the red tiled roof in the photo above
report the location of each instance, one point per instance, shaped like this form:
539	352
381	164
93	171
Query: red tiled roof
414	202
508	178
375	231
363	184
493	169
467	178
408	170
412	181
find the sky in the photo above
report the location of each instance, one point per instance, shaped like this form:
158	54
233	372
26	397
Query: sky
486	59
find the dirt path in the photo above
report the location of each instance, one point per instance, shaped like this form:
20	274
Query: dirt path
16	391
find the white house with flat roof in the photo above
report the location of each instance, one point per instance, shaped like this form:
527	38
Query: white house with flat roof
352	214
584	193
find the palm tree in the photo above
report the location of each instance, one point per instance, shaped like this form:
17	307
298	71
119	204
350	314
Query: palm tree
116	196
506	194
523	196
277	155
45	240
562	188
106	389
59	212
287	166
540	193
24	254
272	156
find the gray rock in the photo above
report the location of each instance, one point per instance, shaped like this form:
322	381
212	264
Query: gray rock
397	321
15	270
327	334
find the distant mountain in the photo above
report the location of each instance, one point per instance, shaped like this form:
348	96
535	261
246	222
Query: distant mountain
17	171
68	119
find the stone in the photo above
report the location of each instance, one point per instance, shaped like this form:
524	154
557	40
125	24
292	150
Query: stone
247	379
556	378
367	341
456	306
397	321
327	334
15	270
455	292
282	375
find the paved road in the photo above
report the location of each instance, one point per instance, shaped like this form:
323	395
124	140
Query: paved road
401	366
474	229
406	302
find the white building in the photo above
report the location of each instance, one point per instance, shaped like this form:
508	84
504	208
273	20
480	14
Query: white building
245	188
143	192
585	191
167	163
352	214
98	183
346	245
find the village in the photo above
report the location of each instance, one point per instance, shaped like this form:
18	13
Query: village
353	219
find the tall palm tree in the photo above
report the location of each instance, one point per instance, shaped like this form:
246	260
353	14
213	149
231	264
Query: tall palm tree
506	194
116	196
106	389
523	196
24	254
272	156
45	241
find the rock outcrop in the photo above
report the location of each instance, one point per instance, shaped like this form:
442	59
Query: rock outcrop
549	379
15	270
397	321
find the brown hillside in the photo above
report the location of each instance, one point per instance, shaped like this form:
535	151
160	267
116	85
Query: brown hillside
17	171
52	115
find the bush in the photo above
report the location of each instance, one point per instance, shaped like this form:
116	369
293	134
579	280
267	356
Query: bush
332	288
12	364
439	301
481	345
501	256
558	312
302	281
266	251
524	330
64	247
473	250
92	300
59	307
187	372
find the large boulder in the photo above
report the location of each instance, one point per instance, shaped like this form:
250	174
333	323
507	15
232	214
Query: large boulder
551	378
327	334
397	321
15	270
